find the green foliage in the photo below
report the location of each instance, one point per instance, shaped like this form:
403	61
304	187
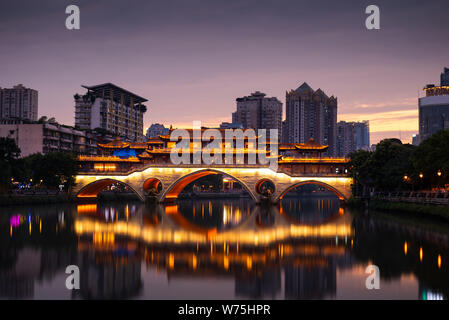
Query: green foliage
9	152
52	168
384	168
392	161
431	156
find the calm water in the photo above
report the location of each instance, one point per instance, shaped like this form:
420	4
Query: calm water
306	248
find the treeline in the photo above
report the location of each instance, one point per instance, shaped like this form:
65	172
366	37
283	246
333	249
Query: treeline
37	170
394	166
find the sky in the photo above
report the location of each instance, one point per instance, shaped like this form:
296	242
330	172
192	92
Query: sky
192	58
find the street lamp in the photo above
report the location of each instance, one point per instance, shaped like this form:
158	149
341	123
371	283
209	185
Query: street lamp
439	175
421	175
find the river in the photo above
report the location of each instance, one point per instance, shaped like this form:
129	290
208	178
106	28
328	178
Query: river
304	248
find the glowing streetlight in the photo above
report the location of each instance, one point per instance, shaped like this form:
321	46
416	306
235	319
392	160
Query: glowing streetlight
405	178
439	173
421	175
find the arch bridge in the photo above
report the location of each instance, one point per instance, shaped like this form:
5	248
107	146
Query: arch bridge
167	181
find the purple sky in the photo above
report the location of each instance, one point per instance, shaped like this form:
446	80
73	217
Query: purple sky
192	58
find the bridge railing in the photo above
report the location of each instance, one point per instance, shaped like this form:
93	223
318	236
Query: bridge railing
423	197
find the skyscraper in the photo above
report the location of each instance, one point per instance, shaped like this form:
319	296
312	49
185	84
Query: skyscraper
352	136
434	108
111	108
445	77
311	113
258	112
18	103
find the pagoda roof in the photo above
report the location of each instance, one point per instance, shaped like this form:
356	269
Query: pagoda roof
115	144
145	155
311	145
138	145
155	141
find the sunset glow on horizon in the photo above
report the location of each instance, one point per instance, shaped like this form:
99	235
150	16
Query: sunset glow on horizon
193	62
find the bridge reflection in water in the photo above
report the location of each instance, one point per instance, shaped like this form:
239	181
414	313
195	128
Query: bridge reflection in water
227	238
208	249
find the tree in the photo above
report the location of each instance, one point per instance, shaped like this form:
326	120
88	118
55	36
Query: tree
53	169
389	163
383	169
431	157
359	169
9	153
9	150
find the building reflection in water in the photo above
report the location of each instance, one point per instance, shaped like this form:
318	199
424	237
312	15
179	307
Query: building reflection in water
291	251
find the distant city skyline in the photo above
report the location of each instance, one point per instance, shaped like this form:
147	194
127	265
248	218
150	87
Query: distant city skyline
193	62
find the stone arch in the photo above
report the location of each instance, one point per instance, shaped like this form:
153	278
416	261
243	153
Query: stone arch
261	182
319	183
177	186
92	189
151	183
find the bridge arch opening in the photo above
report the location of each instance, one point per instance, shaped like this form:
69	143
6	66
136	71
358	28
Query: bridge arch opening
93	189
265	187
313	203
152	186
179	185
313	182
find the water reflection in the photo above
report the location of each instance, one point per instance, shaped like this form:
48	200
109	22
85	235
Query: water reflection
307	248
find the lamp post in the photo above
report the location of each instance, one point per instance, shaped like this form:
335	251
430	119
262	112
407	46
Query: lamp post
438	179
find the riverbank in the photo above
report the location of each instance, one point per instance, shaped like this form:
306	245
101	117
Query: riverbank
15	199
423	210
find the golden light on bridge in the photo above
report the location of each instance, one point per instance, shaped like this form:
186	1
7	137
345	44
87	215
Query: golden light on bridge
174	179
105	167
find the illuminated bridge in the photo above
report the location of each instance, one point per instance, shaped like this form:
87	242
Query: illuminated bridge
145	168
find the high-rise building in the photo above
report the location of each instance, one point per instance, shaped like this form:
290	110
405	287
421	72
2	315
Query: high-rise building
156	130
352	136
434	108
111	108
18	103
258	112
445	77
311	113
